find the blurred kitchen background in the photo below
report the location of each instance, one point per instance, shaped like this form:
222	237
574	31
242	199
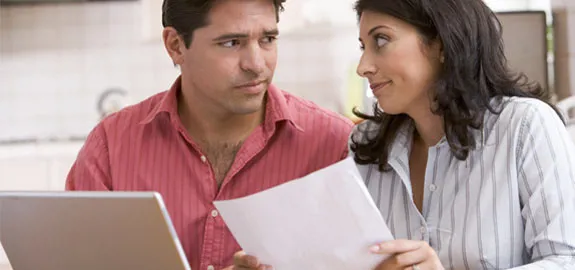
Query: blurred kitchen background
64	64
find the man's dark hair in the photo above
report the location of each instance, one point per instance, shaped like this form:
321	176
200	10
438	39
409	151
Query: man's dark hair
188	15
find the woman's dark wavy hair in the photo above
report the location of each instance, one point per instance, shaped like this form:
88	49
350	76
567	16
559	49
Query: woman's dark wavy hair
475	70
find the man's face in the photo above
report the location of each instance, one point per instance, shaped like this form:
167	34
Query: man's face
231	61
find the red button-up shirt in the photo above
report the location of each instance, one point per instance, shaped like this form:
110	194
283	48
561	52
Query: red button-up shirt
145	148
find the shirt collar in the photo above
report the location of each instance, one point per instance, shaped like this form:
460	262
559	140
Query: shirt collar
401	147
168	104
277	109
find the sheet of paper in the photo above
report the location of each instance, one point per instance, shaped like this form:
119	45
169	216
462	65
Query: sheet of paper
326	220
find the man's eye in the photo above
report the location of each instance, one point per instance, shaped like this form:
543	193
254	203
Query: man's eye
230	44
270	39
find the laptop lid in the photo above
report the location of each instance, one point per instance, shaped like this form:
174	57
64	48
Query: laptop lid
88	231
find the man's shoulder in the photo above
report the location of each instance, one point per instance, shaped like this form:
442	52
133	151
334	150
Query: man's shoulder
131	116
312	116
136	113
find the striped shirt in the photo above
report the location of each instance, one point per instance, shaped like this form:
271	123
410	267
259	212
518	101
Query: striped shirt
511	203
145	148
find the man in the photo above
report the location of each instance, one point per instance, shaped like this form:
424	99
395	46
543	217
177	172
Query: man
222	131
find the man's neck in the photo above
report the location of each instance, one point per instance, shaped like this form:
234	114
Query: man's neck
205	123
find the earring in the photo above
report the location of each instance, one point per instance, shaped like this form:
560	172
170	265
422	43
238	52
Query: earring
442	59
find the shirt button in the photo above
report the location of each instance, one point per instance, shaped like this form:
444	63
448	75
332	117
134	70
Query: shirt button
423	230
204	159
211	267
214	213
432	187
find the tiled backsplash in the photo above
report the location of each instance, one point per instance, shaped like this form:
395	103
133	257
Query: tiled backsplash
57	59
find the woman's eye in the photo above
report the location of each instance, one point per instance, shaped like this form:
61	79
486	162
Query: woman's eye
381	41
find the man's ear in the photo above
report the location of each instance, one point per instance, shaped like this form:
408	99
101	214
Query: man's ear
174	45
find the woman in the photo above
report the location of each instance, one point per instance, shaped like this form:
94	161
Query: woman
468	161
469	165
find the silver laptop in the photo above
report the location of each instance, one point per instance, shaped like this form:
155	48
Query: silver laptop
88	231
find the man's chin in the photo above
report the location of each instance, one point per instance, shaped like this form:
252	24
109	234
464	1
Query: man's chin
251	104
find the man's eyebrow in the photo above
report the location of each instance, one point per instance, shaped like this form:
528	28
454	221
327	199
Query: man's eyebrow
229	36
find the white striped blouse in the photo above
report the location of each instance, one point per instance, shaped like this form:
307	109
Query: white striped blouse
510	204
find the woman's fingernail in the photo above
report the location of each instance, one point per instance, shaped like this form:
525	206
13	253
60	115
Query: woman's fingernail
375	248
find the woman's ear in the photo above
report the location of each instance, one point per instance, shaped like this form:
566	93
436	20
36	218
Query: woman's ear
437	48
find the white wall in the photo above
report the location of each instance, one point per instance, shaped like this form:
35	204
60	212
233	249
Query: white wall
57	59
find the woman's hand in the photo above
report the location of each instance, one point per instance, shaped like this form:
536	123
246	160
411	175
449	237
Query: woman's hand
407	255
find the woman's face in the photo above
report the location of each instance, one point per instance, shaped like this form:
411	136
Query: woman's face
400	67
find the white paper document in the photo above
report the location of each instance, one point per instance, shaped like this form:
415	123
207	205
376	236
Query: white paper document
326	220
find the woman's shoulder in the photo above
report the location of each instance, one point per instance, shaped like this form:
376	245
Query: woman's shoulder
517	115
518	110
525	103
